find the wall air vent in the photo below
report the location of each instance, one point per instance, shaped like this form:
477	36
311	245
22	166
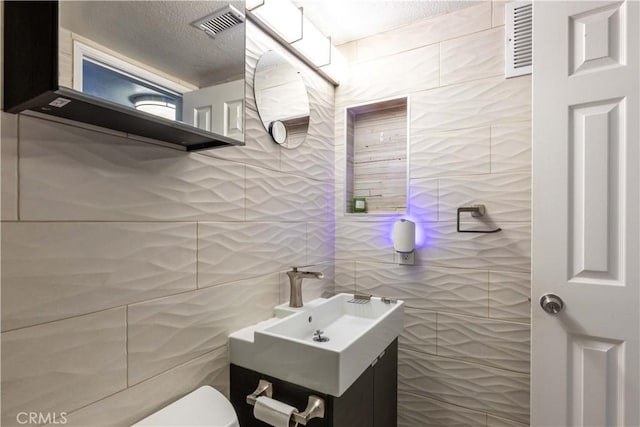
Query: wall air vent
219	21
518	31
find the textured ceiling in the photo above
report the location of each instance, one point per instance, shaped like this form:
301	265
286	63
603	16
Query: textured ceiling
158	33
347	20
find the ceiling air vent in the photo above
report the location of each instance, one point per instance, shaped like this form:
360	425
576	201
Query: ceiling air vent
519	48
219	21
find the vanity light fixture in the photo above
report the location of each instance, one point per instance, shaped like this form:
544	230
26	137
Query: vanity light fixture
157	105
287	24
281	16
314	45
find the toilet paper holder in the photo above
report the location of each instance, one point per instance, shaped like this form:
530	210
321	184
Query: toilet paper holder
315	405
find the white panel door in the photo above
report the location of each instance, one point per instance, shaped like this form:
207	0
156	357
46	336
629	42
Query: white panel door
585	360
218	109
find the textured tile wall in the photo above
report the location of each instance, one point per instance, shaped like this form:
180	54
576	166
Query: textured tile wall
464	352
125	265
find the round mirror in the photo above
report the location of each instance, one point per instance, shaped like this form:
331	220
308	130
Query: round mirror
282	100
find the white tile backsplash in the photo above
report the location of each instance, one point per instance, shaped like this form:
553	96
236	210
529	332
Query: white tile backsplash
511	147
498	12
473	386
495	343
473	57
64	365
420	331
415	410
426	32
423	199
427	288
52	271
465	346
69	173
271	196
370	241
370	80
506	197
101	272
508	250
509	296
474	104
166	332
458	152
136	402
230	251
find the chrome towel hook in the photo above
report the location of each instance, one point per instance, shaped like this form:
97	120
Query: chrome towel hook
476	211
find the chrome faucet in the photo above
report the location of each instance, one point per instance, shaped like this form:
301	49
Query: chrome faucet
295	280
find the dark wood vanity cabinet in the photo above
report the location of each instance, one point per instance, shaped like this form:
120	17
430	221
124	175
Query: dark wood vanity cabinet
370	402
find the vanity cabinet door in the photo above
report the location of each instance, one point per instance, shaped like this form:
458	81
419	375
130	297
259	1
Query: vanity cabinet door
385	386
244	382
354	407
371	401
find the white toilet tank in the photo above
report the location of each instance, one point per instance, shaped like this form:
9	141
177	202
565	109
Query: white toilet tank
205	406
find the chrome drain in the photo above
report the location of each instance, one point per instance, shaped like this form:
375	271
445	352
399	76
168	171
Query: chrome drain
318	337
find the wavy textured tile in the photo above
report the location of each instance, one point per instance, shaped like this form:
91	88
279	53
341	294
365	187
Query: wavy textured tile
476	387
166	332
343	178
507	197
272	196
427	31
316	152
409	71
320	241
508	250
511	147
67	173
498	12
345	277
460	152
493	421
470	105
141	400
509	296
370	241
64	365
53	271
419	332
473	57
414	411
9	166
426	288
495	343
423	199
233	251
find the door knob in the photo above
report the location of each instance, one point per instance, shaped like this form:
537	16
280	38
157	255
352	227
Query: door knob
551	303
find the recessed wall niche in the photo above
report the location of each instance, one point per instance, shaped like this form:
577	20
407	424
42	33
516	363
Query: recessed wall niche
377	144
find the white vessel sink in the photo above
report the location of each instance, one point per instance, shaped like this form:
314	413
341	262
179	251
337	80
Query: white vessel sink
283	347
